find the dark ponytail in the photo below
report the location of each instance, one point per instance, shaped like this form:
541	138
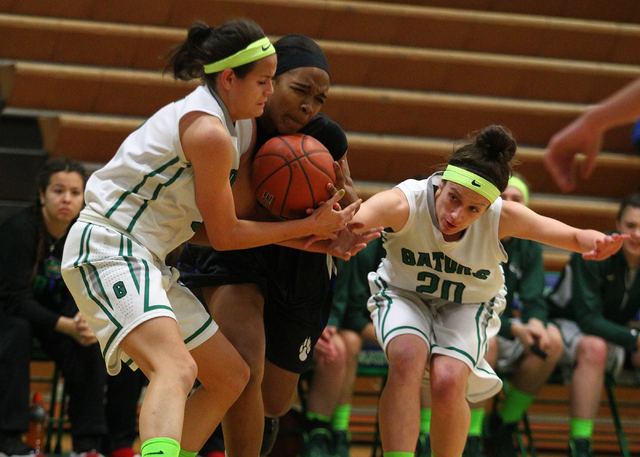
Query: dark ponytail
488	154
205	45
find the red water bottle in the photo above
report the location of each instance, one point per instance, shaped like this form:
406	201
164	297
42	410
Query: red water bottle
37	424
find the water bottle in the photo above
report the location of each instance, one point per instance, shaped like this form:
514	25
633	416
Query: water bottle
37	424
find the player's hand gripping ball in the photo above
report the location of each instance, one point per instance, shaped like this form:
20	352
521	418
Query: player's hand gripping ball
290	174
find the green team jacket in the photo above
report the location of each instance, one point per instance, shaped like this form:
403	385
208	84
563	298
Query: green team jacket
524	276
592	293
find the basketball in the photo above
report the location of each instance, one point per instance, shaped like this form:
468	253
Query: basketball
290	174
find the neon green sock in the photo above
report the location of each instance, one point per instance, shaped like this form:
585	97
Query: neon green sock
425	420
581	428
341	417
398	454
319	417
515	404
184	453
475	427
166	447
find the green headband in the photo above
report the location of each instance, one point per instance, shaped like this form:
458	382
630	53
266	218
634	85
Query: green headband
519	184
471	181
256	50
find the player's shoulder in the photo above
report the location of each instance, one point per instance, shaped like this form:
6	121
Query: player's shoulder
329	133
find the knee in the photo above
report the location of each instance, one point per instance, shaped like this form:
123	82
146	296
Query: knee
448	381
407	356
342	350
239	377
353	343
183	372
592	351
279	405
556	345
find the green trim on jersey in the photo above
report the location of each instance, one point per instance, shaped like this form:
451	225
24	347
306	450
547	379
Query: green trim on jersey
153	197
128	257
141	184
86	236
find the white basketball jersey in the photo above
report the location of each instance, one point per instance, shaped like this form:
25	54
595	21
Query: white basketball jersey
147	189
419	259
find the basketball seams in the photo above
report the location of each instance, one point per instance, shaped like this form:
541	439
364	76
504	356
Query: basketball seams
307	154
297	185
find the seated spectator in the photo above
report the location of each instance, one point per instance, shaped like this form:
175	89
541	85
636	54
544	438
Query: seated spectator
527	348
593	304
334	374
35	302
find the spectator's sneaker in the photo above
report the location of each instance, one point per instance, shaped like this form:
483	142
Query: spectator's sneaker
271	427
423	448
580	447
91	453
124	452
341	443
318	443
499	438
11	445
473	447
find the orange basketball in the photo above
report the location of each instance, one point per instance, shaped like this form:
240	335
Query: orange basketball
290	174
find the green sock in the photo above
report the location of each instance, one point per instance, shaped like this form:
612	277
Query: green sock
184	453
397	454
425	420
317	422
475	427
515	404
581	428
317	417
166	446
341	417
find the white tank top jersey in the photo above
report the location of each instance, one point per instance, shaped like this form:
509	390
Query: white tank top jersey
147	189
419	259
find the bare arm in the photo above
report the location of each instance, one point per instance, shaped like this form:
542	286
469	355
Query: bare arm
519	221
348	242
207	146
585	134
388	209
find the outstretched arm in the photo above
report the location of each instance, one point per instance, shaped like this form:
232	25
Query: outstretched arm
520	222
585	135
346	244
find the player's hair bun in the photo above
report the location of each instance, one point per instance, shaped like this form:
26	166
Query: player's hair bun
498	142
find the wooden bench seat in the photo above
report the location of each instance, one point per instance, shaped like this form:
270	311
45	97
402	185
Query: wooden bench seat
376	158
374	22
86	138
86	42
85	89
388	111
392	159
355	64
619	11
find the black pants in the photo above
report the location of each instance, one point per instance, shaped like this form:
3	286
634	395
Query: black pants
123	393
85	378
